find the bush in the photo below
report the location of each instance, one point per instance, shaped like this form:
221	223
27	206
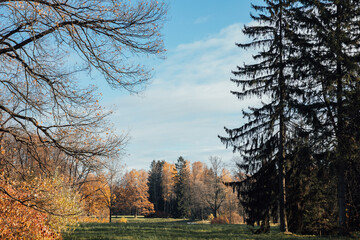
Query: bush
220	220
210	217
235	218
123	220
25	208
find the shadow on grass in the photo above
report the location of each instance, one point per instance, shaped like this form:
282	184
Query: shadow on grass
172	229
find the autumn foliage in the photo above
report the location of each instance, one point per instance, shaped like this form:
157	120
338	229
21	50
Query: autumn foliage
95	194
220	220
133	193
36	209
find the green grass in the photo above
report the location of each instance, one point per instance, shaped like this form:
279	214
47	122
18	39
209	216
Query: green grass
157	228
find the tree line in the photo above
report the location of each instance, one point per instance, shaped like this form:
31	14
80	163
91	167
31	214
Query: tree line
300	145
195	191
180	190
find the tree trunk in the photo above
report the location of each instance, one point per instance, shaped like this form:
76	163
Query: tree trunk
341	154
341	147
282	182
282	140
109	215
341	199
264	225
282	199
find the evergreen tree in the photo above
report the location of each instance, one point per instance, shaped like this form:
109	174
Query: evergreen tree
182	188
311	196
329	67
262	140
258	196
155	185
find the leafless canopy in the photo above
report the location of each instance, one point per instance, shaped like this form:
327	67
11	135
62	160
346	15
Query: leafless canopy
44	44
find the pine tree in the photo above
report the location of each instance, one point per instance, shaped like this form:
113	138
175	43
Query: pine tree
262	140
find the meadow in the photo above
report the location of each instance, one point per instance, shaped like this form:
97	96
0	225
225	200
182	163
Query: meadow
168	228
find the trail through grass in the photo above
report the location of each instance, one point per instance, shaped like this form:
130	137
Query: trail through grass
157	228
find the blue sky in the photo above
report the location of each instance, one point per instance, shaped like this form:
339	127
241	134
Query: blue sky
188	101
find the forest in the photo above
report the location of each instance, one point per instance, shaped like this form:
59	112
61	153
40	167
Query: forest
298	162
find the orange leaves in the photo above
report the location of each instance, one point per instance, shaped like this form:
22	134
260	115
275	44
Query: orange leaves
168	181
134	192
20	203
96	194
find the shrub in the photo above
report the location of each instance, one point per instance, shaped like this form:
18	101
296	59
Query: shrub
220	220
38	208
210	217
235	218
123	220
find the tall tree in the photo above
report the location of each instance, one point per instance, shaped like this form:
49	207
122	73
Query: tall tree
168	186
198	190
215	192
155	187
182	188
263	138
133	195
330	64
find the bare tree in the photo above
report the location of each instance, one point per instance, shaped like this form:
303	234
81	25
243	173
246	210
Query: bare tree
216	189
113	175
41	103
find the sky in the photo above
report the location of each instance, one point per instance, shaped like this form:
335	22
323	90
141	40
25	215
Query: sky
188	102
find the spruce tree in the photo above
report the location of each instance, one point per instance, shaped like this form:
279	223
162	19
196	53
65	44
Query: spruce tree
262	140
258	196
329	67
155	186
310	190
182	188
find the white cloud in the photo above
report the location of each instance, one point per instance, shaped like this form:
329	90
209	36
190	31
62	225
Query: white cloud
201	20
187	105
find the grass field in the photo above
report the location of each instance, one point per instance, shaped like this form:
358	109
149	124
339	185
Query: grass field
157	228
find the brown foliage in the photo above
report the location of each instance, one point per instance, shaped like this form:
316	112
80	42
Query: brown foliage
220	220
133	193
94	194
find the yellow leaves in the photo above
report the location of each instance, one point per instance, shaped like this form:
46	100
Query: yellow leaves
21	222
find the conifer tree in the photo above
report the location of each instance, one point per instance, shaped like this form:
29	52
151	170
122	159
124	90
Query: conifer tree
329	66
182	188
262	140
155	185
